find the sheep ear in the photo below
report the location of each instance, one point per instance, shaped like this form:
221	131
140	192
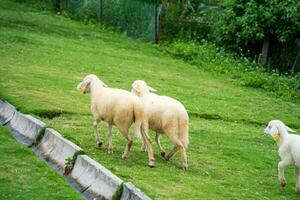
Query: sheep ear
289	129
151	89
81	86
85	83
274	130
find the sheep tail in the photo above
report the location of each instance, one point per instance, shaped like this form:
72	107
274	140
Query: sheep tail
138	118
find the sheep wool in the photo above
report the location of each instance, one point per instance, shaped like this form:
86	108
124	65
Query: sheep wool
288	149
164	115
116	107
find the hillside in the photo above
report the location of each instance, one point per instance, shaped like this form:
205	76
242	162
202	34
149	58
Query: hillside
44	56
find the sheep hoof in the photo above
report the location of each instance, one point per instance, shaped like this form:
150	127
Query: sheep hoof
282	182
124	156
143	149
110	151
99	143
184	167
151	164
163	154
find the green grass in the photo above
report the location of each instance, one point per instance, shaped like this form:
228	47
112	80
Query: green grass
24	176
44	57
240	70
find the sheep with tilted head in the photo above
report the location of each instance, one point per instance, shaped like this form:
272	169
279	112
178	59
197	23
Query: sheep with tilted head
289	149
116	107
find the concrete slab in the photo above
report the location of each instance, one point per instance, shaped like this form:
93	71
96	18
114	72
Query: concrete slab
130	192
6	112
57	149
25	127
89	177
96	181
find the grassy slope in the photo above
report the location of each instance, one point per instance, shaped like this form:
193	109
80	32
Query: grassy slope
24	176
43	58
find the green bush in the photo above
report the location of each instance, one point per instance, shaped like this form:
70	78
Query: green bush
245	25
185	51
246	73
191	22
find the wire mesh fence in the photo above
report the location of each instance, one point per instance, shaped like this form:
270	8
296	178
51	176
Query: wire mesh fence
136	18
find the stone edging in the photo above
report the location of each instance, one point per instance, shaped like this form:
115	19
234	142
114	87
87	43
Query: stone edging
87	176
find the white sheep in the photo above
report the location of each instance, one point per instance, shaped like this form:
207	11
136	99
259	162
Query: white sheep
164	115
289	149
116	107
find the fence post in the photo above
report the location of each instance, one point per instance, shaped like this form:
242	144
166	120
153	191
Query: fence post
66	5
57	5
295	62
265	49
157	21
101	10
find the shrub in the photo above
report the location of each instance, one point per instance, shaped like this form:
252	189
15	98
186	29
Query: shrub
245	25
246	73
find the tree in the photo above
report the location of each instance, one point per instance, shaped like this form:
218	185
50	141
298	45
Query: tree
246	26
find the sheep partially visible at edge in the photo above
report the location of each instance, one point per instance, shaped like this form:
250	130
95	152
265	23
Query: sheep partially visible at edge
164	115
116	107
289	149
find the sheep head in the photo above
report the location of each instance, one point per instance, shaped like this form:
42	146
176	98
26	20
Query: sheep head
276	129
140	87
85	85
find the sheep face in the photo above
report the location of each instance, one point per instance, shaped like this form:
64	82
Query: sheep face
140	87
275	128
85	85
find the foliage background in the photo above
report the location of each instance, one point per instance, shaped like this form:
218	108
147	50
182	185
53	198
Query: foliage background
234	29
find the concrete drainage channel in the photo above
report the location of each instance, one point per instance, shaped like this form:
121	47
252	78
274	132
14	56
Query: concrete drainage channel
87	176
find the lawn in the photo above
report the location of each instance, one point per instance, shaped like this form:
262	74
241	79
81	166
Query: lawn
44	56
25	176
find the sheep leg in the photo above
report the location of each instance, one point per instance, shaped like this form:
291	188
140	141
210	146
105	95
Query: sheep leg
178	147
129	144
110	146
172	153
96	132
183	158
148	141
161	150
144	146
177	144
297	176
281	166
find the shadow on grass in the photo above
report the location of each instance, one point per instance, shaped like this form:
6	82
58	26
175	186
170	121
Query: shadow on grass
219	117
207	116
51	114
